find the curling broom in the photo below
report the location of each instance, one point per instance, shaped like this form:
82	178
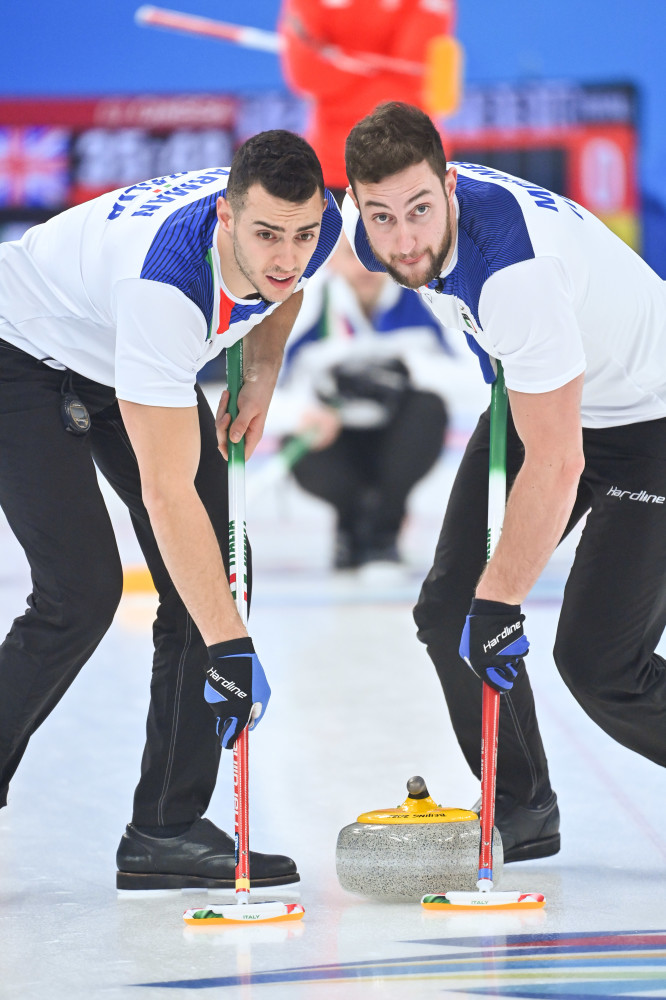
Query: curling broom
484	898
442	70
243	910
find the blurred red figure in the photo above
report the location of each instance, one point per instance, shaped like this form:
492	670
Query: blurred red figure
343	93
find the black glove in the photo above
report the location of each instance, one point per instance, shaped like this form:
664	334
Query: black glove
236	688
367	392
493	642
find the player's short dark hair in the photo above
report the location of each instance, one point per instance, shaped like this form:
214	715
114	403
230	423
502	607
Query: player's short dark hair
281	161
391	138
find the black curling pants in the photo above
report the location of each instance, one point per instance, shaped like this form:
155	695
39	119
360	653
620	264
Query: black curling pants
51	498
388	461
613	611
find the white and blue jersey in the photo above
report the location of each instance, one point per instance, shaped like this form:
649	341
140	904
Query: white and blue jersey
127	290
540	284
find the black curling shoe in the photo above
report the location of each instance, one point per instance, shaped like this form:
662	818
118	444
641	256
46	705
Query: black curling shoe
527	831
201	858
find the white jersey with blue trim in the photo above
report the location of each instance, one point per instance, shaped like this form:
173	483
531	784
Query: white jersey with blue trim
542	285
127	290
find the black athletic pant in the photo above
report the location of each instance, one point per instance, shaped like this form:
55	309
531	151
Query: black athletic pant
51	498
388	460
613	611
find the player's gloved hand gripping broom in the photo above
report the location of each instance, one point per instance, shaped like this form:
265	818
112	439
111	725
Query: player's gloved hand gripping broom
243	911
484	897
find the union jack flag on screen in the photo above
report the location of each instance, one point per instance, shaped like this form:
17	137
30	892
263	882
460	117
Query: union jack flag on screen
34	166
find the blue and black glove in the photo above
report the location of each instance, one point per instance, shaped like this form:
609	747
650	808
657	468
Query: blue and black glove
493	642
236	688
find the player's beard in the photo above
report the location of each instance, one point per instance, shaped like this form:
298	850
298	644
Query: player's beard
437	258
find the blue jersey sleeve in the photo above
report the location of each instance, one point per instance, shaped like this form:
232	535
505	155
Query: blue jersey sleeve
329	236
178	254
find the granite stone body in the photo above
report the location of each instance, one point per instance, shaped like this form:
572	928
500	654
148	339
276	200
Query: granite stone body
407	860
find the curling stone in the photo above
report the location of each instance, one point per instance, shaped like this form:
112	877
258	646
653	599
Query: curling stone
416	848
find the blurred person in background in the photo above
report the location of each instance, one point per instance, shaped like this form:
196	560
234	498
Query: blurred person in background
344	89
359	378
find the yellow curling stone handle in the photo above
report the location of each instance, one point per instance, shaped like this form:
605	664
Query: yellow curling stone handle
418	807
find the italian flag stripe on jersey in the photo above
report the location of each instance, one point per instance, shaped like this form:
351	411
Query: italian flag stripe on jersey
226	305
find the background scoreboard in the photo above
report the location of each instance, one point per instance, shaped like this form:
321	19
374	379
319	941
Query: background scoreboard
577	140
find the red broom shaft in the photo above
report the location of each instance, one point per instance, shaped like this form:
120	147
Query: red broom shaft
241	813
490	728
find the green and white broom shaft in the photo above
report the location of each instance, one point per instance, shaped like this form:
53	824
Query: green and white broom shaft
238	584
491	697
